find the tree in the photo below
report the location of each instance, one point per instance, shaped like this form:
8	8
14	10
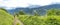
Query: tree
53	12
21	13
57	12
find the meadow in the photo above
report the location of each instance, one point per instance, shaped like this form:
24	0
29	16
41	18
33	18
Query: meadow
39	20
52	17
5	18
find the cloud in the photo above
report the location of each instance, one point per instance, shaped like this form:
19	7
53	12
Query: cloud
13	3
25	3
9	8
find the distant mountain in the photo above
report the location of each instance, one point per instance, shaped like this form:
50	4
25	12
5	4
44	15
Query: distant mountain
30	9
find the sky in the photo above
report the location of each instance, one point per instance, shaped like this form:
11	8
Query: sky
26	3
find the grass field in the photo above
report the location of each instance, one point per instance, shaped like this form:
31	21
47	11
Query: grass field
5	18
52	17
40	20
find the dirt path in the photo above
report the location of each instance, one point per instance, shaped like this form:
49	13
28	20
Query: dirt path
17	21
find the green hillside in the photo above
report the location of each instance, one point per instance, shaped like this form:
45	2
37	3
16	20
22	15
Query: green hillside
5	18
52	17
39	20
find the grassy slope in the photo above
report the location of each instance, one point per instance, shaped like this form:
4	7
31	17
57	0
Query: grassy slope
40	20
5	18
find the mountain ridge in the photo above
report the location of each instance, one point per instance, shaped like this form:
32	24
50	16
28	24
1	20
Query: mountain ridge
42	8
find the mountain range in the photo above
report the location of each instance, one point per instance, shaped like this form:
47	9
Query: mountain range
30	9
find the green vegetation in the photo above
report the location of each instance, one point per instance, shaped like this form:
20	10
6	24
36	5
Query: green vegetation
40	20
52	18
53	12
5	18
21	13
3	9
17	24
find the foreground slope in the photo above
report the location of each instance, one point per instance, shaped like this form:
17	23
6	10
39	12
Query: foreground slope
52	17
5	18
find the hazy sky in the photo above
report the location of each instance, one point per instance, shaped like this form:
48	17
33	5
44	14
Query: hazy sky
25	3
